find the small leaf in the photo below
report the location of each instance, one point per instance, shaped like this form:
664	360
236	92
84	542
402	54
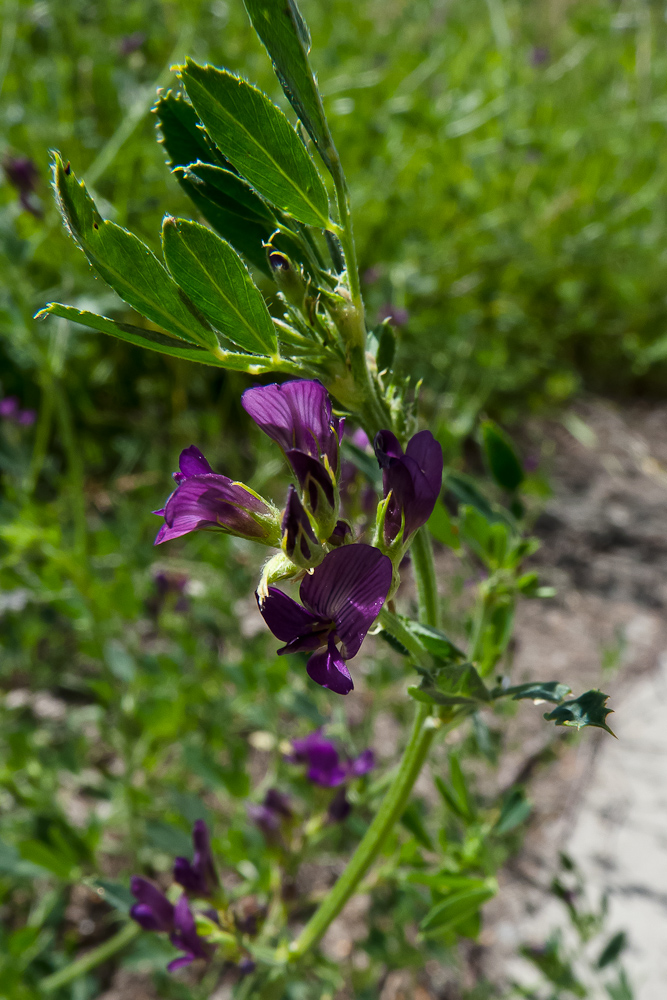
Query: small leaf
466	491
213	274
127	264
612	949
413	821
259	141
454	685
285	35
536	691
503	462
516	810
154	341
114	893
456	908
181	133
435	641
443	529
586	710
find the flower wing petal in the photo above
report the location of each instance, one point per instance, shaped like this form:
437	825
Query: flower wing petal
329	670
287	619
295	414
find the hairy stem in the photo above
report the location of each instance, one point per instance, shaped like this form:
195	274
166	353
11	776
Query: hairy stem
424	571
389	813
396	799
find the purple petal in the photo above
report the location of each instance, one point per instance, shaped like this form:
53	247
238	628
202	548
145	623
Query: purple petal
192	463
144	916
203	859
339	807
296	415
278	802
189	877
287	619
387	446
427	453
185	934
150	898
212	501
330	671
414	479
349	586
9	406
364	763
296	528
311	473
180	963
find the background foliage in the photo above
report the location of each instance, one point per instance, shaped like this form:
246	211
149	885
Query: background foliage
506	166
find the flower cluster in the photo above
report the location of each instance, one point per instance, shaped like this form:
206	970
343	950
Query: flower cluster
344	582
10	409
154	912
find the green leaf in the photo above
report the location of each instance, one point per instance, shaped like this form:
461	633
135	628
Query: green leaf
435	641
503	462
259	141
586	710
466	491
535	690
443	529
460	786
114	893
612	949
413	821
516	810
58	863
386	348
127	264
154	341
285	35
456	908
168	838
454	685
181	133
212	273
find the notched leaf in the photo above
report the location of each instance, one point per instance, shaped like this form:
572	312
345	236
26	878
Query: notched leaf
586	710
535	691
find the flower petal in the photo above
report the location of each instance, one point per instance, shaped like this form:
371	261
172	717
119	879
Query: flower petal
330	671
149	897
287	619
192	463
212	501
295	414
349	586
364	763
311	473
427	453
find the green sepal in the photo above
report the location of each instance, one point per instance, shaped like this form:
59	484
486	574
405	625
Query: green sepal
503	462
210	271
586	710
163	344
257	138
127	265
287	39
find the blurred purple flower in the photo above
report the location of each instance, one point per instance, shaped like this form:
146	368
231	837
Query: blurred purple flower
9	406
371	275
341	599
185	937
269	814
414	479
325	766
154	912
131	43
339	807
531	463
206	500
200	876
539	55
26	417
22	174
395	314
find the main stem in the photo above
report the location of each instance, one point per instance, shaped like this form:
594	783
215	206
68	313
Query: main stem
396	799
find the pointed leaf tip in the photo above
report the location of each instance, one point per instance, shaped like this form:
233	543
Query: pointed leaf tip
589	709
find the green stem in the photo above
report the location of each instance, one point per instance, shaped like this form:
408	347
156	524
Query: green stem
427	586
92	958
392	808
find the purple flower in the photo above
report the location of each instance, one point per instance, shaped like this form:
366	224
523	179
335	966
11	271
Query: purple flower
270	814
298	416
22	174
152	911
131	43
200	876
185	937
9	407
339	807
413	478
341	599
539	55
395	314
325	766
299	541
26	418
206	500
